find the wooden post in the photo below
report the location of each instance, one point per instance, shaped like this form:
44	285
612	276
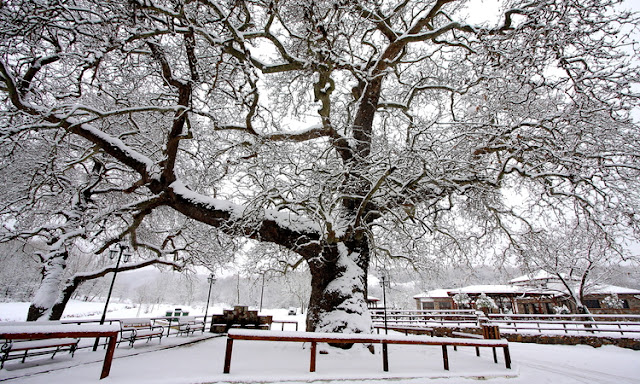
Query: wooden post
312	362
445	357
108	357
385	358
227	355
491	332
507	357
169	326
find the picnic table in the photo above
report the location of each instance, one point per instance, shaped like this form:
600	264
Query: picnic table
43	331
239	316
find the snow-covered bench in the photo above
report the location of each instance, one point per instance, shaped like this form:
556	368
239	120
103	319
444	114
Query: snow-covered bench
416	330
136	329
53	335
189	324
21	349
336	338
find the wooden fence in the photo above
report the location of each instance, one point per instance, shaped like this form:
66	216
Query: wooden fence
600	325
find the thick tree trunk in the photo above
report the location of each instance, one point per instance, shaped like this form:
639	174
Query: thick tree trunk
338	289
63	299
49	290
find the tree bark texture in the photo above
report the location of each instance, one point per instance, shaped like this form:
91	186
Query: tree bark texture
338	289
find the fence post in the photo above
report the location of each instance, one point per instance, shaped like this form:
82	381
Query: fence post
491	332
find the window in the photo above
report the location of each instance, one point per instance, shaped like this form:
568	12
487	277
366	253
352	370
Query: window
428	305
444	305
592	303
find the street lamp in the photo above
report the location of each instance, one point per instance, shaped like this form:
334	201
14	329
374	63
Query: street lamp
383	284
262	292
211	279
119	250
385	363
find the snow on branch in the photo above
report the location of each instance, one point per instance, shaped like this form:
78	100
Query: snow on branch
225	213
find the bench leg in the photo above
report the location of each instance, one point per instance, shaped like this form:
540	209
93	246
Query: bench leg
507	357
54	352
477	351
227	356
385	358
312	360
108	356
445	357
495	356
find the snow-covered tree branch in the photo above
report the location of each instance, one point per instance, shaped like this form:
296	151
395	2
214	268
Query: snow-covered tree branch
347	132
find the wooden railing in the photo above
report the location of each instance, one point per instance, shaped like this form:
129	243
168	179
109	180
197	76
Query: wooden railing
589	325
426	318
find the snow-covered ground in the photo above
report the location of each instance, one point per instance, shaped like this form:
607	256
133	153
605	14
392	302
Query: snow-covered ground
199	359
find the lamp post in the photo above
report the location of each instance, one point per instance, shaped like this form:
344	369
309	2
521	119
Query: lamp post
211	279
261	292
384	300
119	251
385	362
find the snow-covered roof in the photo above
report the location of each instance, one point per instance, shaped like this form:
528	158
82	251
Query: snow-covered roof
540	275
432	294
605	289
494	288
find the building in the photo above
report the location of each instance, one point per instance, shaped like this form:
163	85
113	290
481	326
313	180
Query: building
540	293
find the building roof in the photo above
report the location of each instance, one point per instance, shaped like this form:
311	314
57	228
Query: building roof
372	298
605	289
527	285
493	288
433	294
540	275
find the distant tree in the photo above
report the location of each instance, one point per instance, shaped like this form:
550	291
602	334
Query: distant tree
339	130
18	272
580	256
485	303
613	301
462	300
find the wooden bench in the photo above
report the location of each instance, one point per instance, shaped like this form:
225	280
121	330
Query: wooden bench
406	329
489	332
136	329
283	322
21	349
42	332
335	338
189	324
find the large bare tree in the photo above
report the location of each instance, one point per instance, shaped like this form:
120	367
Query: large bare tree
324	126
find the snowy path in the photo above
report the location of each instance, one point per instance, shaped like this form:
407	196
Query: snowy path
258	362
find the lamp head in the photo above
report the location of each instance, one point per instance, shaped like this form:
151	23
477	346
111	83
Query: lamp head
126	256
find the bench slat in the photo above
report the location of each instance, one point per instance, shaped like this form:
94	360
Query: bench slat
44	343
